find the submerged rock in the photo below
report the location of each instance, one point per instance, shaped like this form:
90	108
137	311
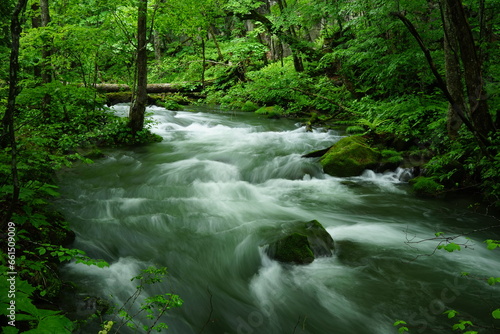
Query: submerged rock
350	156
302	244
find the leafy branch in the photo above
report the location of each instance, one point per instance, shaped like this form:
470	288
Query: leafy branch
447	242
154	307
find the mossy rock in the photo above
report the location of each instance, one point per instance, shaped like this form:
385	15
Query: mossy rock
426	186
249	106
350	156
271	112
302	244
293	248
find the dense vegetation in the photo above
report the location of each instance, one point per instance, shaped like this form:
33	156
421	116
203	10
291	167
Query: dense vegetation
419	77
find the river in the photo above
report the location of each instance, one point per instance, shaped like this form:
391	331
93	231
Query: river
204	202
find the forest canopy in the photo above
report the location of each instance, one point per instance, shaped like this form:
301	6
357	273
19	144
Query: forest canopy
420	78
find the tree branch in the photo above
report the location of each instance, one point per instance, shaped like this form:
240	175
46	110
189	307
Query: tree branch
482	140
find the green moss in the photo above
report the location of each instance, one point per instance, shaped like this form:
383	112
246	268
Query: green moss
349	157
249	106
294	248
426	186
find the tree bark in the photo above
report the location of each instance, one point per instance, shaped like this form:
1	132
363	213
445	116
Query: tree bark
8	132
481	137
46	50
453	72
138	108
157	45
478	106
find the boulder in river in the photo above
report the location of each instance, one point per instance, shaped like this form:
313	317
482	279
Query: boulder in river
302	244
350	156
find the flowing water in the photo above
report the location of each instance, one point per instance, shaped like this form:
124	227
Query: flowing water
205	201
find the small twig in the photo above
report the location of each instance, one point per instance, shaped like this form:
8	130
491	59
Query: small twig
296	325
210	313
445	240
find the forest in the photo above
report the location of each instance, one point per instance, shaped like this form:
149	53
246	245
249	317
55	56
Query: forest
416	81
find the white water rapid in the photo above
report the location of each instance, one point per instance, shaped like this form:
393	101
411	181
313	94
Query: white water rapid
205	200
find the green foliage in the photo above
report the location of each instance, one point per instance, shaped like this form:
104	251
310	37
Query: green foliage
451	313
355	129
492	244
425	186
493	280
153	307
271	112
402	326
249	106
450	247
391	156
462	325
27	313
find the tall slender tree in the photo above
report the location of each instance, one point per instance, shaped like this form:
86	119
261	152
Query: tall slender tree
138	107
8	138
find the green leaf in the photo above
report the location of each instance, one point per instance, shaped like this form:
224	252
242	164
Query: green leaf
492	244
10	330
451	313
496	313
493	280
451	247
461	325
438	234
399	322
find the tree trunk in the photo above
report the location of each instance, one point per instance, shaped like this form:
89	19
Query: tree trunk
204	62
211	32
481	137
45	70
453	73
157	45
478	106
8	135
138	108
46	52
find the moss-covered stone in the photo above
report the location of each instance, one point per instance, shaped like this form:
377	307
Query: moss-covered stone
320	241
302	243
350	156
425	186
293	248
